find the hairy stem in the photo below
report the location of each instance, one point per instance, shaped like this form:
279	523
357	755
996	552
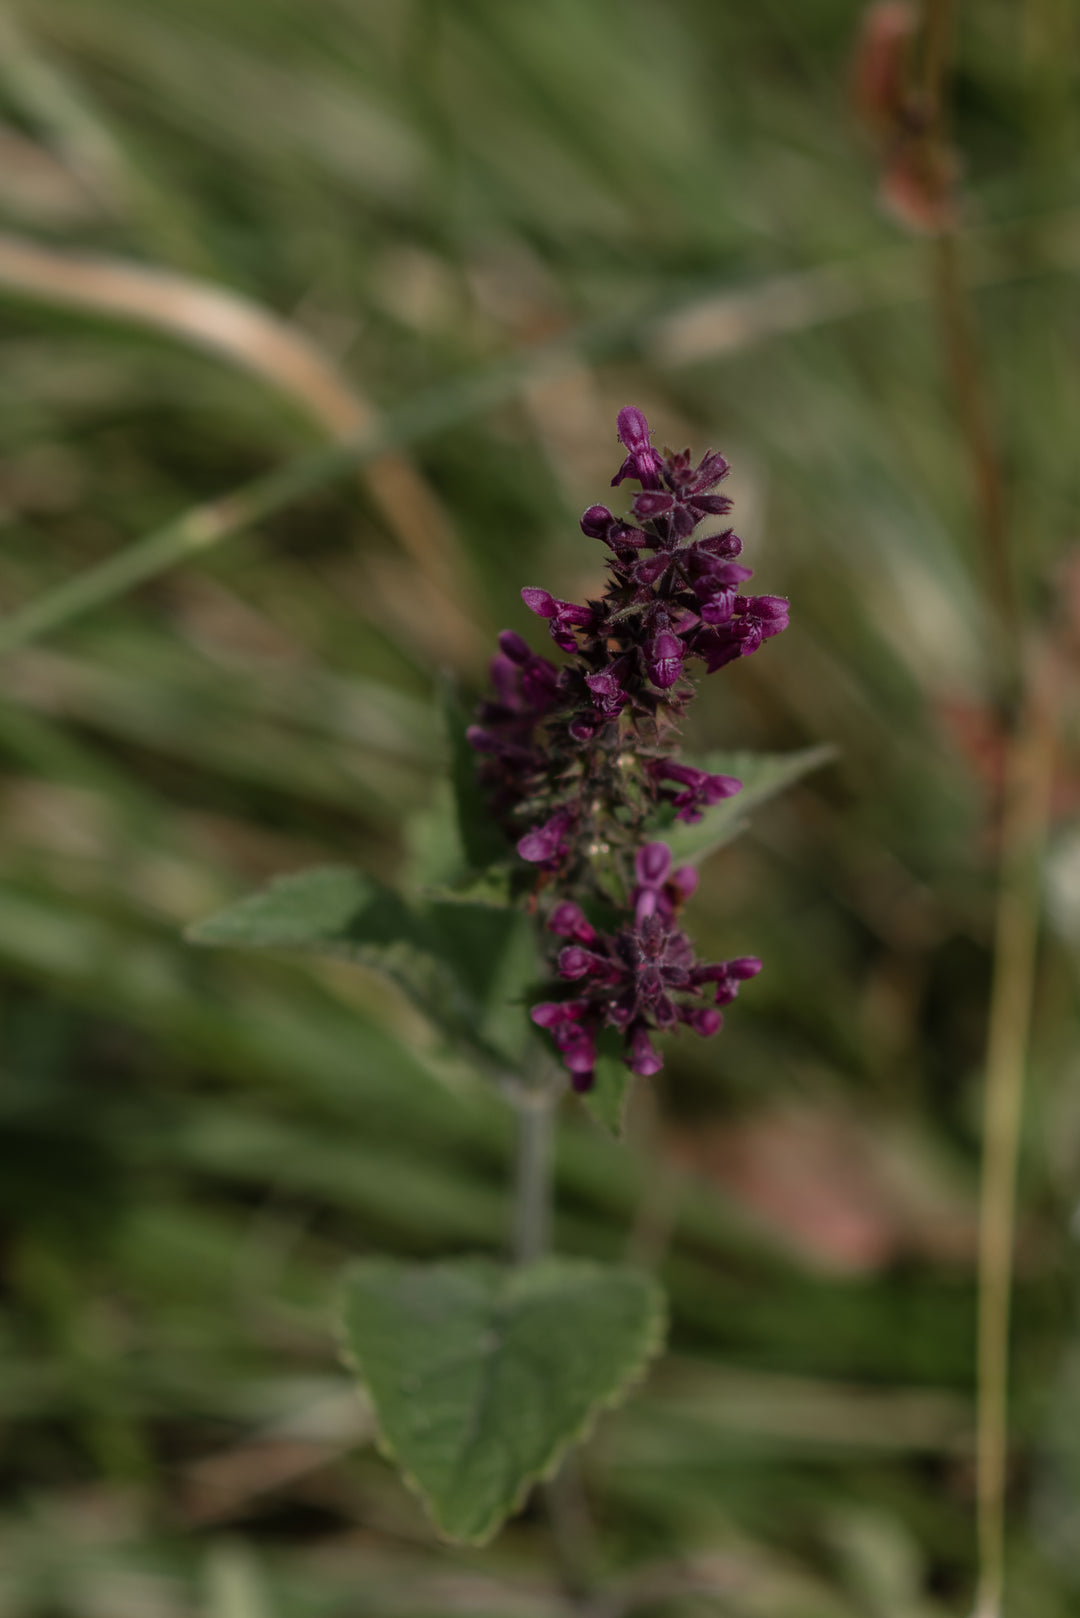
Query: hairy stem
532	1174
564	1496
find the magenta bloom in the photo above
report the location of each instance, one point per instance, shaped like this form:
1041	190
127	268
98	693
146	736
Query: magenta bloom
579	757
643	462
641	980
700	790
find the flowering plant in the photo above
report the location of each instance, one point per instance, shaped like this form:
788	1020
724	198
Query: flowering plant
573	821
588	754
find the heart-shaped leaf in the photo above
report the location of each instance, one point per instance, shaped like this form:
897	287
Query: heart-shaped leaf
763	775
483	1375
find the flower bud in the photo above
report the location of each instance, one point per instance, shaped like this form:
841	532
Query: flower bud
514	646
706	1021
664	659
567	920
652	864
596	521
644	1059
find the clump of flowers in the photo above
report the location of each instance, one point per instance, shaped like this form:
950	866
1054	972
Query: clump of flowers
580	760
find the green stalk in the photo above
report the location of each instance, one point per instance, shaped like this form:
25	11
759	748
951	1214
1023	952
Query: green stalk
535	1111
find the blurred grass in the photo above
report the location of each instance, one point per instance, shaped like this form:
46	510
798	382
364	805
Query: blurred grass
496	224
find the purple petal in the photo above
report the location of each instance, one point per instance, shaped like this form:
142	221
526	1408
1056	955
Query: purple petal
547	1014
652	864
542	602
546	842
643	1058
575	962
567	920
633	429
652	503
596	521
710	505
664	659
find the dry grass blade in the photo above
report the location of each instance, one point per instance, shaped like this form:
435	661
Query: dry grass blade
233	328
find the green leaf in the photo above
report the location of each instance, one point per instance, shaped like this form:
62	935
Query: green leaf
331	909
482	1376
763	775
337	911
492	887
607	1099
492	953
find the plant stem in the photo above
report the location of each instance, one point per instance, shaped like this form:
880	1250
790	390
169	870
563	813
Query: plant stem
1029	774
532	1174
1025	708
564	1496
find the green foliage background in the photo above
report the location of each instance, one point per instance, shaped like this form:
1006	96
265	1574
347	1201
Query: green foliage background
501	222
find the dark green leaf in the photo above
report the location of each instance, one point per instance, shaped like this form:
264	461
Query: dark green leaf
492	953
333	910
482	1376
607	1099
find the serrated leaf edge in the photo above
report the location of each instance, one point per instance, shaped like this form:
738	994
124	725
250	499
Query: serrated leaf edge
655	1337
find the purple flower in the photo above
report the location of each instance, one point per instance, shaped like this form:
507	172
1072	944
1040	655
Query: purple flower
643	1058
684	501
574	1042
640	979
567	920
761	617
577	759
547	844
664	659
539	677
700	789
727	975
643	462
564	616
716	585
651	866
609	694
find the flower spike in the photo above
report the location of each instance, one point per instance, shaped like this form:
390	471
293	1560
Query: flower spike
579	759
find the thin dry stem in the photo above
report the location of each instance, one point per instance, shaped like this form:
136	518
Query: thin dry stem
1025	707
1029	766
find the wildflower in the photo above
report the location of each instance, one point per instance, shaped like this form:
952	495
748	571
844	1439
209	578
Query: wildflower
700	790
577	758
642	462
641	980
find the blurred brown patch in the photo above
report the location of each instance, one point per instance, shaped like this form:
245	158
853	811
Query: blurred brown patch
918	172
846	1197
